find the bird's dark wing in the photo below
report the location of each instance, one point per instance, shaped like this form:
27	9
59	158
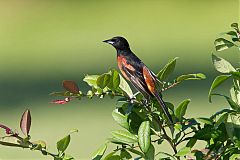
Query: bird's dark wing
150	80
137	79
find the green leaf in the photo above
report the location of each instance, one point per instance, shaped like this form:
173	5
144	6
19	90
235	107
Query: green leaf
204	133
124	154
234	157
235	26
97	155
199	155
135	152
235	95
125	87
167	69
233	126
68	157
232	33
191	142
205	120
236	75
63	143
150	153
91	80
121	119
232	104
183	151
144	138
103	80
178	126
221	112
222	44
114	80
124	136
181	109
39	144
165	156
113	157
197	76
110	155
221	65
221	120
217	82
135	118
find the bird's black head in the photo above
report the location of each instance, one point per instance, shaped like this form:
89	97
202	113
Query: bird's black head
119	43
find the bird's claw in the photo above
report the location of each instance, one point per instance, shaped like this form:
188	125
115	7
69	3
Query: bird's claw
132	99
146	102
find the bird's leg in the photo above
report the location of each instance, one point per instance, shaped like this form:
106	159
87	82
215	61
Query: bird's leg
133	97
136	94
146	101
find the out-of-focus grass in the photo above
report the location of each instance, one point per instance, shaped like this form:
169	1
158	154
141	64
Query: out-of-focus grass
44	42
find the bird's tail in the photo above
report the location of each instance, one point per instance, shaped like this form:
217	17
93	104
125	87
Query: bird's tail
164	108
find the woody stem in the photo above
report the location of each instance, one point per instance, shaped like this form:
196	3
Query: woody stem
169	140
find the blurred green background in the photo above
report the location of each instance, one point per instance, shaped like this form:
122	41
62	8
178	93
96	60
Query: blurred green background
45	42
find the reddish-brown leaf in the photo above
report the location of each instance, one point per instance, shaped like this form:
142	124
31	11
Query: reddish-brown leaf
62	101
70	86
25	123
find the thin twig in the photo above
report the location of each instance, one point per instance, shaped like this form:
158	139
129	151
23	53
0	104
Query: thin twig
224	149
171	86
183	137
31	145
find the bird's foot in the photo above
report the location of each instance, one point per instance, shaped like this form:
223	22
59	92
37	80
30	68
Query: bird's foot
146	102
132	99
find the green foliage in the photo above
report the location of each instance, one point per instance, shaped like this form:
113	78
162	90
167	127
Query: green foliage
63	143
181	109
144	138
222	44
124	137
234	36
103	80
13	139
198	76
183	151
99	153
121	119
222	65
216	83
164	73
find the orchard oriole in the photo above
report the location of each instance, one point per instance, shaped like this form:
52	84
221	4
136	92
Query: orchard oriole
134	70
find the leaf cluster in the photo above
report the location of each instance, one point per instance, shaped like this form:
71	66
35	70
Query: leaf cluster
14	139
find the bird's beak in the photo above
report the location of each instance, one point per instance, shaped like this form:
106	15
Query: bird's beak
109	41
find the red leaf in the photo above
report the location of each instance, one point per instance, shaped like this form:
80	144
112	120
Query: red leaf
62	101
70	86
25	123
7	129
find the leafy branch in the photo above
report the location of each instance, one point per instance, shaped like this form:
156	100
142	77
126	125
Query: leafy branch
13	139
141	121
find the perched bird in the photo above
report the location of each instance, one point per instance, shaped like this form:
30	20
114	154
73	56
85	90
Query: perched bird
134	70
